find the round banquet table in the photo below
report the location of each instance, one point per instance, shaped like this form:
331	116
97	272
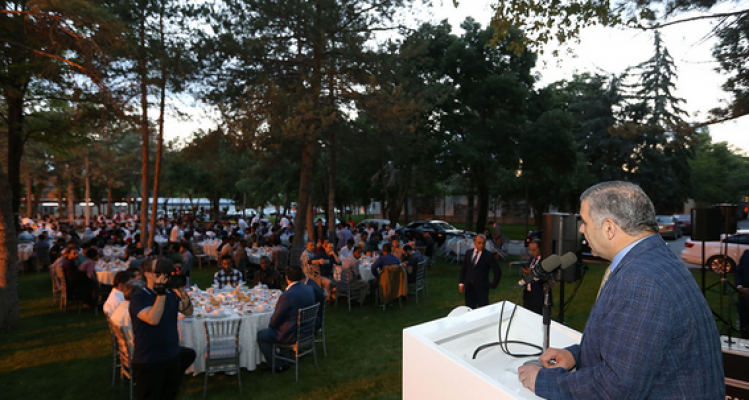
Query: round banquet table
192	335
25	251
114	252
365	268
192	329
105	271
209	248
256	254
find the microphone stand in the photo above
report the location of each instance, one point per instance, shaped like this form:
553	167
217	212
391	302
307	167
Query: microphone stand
547	314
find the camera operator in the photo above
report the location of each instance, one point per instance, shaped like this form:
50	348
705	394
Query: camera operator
158	361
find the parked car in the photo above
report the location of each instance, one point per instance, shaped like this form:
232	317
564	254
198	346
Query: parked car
324	221
720	256
686	223
438	230
376	223
668	226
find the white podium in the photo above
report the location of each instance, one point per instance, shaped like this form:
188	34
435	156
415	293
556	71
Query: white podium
437	361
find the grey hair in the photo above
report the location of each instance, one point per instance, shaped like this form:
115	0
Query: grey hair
625	203
480	235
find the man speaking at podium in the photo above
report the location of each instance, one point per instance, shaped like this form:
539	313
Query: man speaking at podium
651	334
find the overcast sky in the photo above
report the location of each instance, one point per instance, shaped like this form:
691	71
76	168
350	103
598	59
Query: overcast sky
606	50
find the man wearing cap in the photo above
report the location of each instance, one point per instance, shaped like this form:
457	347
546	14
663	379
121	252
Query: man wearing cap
158	360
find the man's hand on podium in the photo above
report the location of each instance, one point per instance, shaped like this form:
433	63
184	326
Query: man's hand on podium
527	375
552	358
557	358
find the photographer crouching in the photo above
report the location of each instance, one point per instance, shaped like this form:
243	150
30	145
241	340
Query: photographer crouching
158	361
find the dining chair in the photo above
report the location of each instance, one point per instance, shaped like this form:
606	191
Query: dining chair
344	289
392	285
222	349
305	340
320	333
125	350
420	284
115	349
42	259
56	289
200	256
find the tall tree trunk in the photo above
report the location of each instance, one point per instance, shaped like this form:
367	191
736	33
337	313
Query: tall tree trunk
16	141
331	188
160	140
482	189
71	201
308	141
60	206
29	196
304	204
109	197
9	310
310	217
88	190
142	68
469	213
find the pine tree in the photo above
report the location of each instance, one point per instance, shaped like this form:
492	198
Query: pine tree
654	122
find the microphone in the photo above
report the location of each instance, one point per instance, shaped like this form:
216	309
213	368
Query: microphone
547	266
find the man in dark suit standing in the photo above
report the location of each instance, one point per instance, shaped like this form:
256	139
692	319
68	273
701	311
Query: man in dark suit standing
533	293
474	274
651	334
283	323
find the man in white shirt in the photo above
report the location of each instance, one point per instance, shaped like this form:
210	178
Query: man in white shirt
116	296
351	269
348	249
175	233
120	317
391	232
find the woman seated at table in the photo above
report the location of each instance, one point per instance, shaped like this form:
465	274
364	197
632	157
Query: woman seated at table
267	275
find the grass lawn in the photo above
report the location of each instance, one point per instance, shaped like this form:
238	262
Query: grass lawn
57	355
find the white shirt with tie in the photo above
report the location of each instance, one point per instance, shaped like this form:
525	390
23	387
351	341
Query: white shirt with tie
476	256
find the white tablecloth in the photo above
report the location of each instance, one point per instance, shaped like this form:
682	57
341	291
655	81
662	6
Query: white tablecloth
256	254
114	252
192	330
209	248
192	335
365	268
25	252
105	271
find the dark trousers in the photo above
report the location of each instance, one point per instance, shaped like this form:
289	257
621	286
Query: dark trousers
476	297
744	317
265	340
534	300
161	380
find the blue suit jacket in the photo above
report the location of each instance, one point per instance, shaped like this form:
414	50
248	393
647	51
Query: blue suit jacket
284	319
650	335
